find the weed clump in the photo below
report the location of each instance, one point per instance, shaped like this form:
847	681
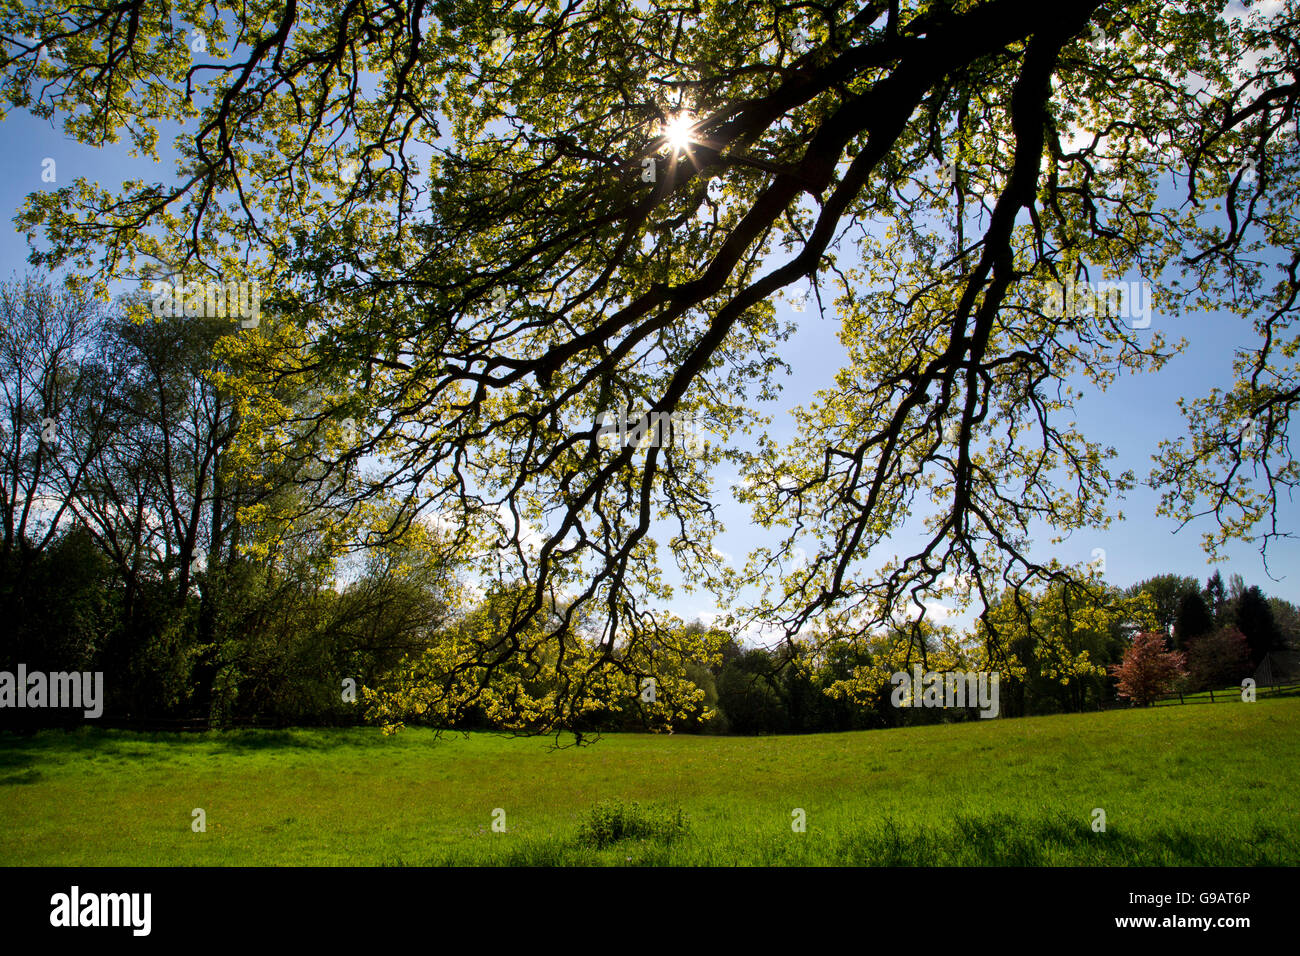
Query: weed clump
609	822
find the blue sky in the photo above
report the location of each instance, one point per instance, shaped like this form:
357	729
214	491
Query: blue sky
1133	415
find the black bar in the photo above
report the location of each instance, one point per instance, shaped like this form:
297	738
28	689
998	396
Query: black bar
966	907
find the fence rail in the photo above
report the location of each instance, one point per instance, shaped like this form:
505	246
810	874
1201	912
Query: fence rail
1227	695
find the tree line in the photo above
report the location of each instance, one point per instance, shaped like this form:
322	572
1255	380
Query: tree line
132	545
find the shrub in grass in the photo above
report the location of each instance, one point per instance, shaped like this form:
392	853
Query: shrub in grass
608	823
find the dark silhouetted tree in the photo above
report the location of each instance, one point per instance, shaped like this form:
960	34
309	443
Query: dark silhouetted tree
1194	619
1216	595
1254	617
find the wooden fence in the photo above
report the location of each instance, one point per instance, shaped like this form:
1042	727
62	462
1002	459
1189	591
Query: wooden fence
1229	694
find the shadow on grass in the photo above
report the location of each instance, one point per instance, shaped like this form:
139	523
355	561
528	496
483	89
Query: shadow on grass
14	757
16	768
16	763
253	741
18	778
22	749
967	840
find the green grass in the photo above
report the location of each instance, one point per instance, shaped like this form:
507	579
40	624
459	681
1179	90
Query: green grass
1180	785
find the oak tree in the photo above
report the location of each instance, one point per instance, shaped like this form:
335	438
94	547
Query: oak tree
480	226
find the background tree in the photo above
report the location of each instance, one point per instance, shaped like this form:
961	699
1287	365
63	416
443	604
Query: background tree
1287	618
1216	595
1148	670
1218	659
51	425
1167	592
1254	618
1055	644
748	694
1194	619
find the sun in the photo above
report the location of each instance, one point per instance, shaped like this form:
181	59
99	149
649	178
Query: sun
677	130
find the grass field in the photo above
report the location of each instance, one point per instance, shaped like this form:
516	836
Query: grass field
1179	785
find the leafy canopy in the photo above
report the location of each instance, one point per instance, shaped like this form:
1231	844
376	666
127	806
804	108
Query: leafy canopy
481	225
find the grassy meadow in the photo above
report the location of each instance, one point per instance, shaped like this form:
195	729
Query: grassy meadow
1179	786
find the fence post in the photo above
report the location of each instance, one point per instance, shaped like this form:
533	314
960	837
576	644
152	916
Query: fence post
1211	695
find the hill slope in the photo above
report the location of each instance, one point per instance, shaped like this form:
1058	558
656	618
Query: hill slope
1179	785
